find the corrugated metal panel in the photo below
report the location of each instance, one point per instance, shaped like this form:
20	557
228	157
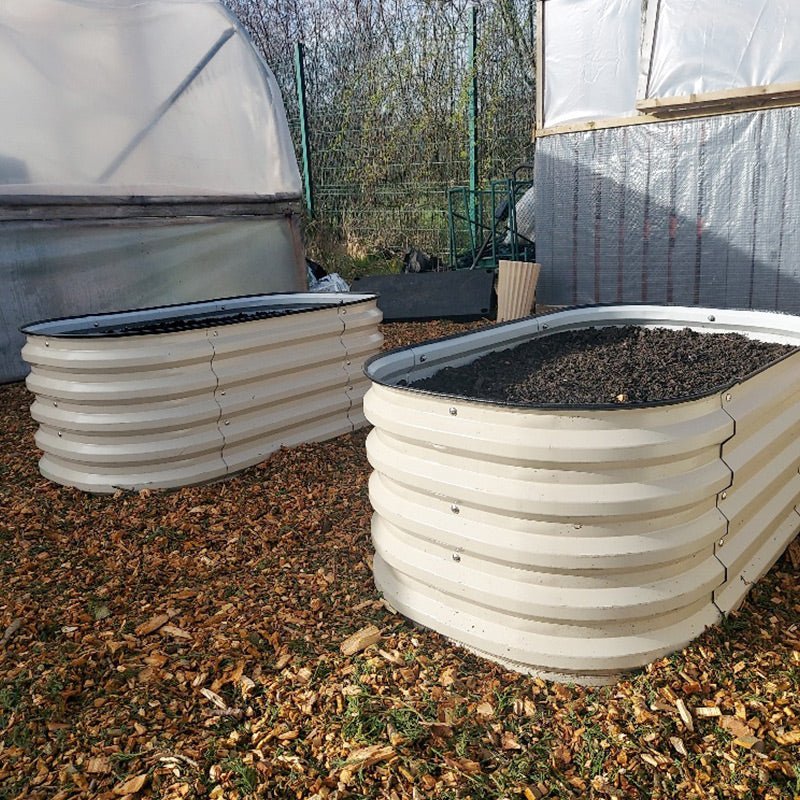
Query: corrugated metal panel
764	457
175	252
569	541
165	410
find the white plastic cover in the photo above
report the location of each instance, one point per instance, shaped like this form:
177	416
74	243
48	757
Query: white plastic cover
689	212
143	97
705	46
591	52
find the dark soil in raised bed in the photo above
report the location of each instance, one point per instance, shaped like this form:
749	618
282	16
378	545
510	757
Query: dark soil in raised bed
620	365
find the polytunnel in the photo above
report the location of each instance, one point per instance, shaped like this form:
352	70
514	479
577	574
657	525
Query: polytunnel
145	159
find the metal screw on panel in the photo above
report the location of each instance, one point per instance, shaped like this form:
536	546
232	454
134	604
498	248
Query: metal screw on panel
348	362
453	411
724	495
711	318
55	405
455	509
59	434
216	333
344	311
222	393
728	397
721	542
47	344
456	557
423	359
227	422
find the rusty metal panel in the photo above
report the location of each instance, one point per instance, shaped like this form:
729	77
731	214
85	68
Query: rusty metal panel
578	541
182	407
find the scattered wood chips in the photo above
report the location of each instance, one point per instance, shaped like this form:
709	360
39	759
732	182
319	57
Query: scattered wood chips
227	641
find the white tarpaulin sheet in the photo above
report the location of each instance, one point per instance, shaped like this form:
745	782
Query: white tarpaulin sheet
591	59
154	97
705	46
691	212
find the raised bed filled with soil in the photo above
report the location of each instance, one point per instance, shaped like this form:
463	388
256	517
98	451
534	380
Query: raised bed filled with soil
185	394
577	494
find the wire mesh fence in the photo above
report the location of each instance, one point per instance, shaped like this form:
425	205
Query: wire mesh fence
388	93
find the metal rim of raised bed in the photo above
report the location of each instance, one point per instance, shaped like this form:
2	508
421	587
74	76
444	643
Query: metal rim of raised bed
285	303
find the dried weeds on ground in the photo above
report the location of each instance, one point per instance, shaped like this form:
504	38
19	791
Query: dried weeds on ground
200	643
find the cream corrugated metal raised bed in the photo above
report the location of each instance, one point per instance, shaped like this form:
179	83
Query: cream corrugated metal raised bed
227	382
580	542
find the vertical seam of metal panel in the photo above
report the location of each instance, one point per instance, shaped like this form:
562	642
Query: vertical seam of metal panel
784	193
220	427
348	384
724	516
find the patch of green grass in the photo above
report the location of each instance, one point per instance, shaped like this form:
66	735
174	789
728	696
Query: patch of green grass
467	738
796	789
327	248
522	768
301	646
322	669
363	719
594	750
53	687
49	631
20	736
12	788
123	758
407	723
166	537
11	696
244	777
503	701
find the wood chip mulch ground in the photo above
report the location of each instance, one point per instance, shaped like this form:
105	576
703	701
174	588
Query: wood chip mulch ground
227	641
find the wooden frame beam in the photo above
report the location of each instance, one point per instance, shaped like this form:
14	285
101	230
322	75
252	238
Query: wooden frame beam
747	97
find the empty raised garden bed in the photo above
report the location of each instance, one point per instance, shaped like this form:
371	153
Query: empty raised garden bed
581	540
184	394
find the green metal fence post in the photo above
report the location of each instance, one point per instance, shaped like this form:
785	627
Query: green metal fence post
473	115
300	80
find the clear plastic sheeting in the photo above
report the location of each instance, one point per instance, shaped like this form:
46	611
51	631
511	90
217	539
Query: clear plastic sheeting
692	212
591	59
50	270
154	97
703	46
333	282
